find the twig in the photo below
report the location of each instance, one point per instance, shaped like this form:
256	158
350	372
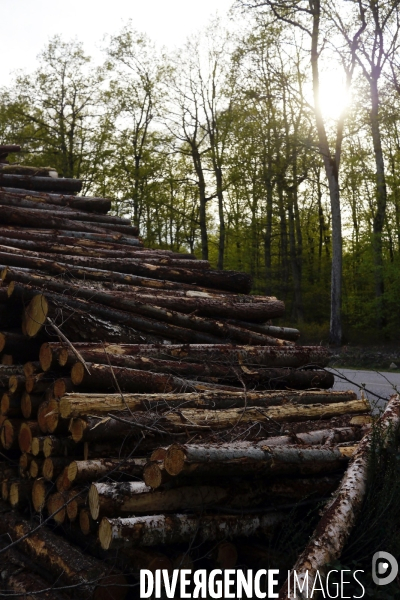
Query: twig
66	340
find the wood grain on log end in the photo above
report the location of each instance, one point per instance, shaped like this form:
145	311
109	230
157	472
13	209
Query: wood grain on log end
174	461
56	504
35	315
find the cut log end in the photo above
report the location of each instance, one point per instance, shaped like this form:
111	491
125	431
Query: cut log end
94	504
25	438
39	490
85	521
35	315
36	446
152	475
77	373
105	533
7	435
45	356
2	341
56	504
13	496
174	460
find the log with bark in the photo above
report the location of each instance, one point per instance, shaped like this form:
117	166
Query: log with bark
27	217
222	354
109	240
191	419
52	305
79	404
87	203
340	514
123	499
203	461
17	202
66	562
49	184
83	471
29	586
177	528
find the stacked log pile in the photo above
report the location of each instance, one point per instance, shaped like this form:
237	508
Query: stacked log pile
147	400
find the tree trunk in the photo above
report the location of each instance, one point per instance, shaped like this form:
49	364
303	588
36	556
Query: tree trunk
381	200
331	165
170	529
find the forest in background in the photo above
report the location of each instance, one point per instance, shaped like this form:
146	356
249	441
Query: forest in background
222	148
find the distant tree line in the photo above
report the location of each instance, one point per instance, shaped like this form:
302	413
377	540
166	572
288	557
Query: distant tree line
223	149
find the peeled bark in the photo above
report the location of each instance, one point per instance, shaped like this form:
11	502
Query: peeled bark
80	404
339	515
67	564
171	529
196	419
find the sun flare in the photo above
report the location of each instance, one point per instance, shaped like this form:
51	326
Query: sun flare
333	96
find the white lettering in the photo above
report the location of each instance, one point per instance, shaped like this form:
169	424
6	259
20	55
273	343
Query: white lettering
200	581
359	583
185	582
146	583
257	590
170	584
334	585
304	577
244	585
319	589
272	582
215	587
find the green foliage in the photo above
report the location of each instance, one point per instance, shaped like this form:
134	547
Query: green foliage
217	144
